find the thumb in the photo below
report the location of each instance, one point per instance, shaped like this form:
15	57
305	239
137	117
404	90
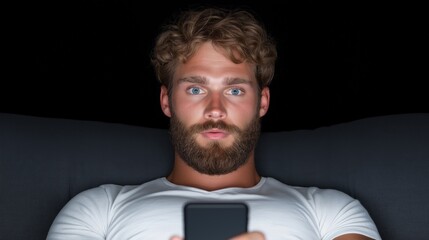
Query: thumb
176	238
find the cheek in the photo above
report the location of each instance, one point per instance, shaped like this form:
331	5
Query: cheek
187	112
243	113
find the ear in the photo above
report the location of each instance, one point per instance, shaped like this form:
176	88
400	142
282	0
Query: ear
165	104
265	101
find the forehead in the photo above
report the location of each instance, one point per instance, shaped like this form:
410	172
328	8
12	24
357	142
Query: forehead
210	63
204	80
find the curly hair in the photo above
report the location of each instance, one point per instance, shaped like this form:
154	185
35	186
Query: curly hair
236	31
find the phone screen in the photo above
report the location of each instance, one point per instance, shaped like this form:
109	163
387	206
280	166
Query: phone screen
215	221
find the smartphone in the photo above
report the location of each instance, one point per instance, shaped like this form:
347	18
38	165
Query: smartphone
215	220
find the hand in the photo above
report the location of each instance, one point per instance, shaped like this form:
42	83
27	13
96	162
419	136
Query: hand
256	235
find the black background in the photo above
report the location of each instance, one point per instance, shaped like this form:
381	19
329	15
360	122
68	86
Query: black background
338	60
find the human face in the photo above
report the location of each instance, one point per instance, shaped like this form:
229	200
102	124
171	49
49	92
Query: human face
215	108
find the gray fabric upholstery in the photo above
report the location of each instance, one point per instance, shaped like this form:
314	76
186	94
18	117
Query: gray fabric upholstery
383	161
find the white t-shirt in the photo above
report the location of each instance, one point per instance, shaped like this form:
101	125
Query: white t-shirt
153	210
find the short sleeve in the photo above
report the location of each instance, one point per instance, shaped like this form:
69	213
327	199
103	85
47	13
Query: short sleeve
84	217
339	214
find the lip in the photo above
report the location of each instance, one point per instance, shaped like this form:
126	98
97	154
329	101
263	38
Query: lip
215	134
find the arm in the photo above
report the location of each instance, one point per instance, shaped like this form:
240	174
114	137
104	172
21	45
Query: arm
251	236
260	236
352	237
83	217
245	236
344	217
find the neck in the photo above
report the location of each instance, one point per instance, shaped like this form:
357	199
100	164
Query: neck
245	176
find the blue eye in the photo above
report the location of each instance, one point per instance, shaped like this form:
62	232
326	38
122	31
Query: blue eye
235	91
195	90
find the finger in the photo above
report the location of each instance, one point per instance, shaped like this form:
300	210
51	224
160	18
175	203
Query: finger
255	235
176	238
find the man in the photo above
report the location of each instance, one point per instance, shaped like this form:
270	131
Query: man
215	66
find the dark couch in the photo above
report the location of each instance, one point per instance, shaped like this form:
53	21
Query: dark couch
383	161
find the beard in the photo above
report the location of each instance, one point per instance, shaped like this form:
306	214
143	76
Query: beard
214	159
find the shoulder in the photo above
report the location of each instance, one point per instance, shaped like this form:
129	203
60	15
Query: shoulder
97	193
103	197
91	199
310	193
84	215
89	213
335	211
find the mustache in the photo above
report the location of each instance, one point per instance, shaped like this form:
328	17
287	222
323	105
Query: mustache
196	128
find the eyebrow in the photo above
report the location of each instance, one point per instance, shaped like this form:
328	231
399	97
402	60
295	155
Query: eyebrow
203	80
232	81
192	79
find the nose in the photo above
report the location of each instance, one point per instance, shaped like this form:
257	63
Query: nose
215	109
